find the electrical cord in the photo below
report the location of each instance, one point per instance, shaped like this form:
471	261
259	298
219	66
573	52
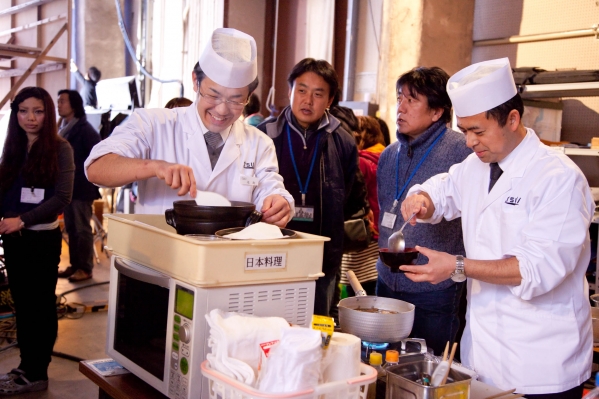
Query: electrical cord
65	309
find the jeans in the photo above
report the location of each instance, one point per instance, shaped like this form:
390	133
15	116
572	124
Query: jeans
32	259
77	217
436	315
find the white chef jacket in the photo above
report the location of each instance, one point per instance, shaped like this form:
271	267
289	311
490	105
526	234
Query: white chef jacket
537	336
176	136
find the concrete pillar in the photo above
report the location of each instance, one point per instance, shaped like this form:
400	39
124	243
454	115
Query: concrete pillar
400	51
99	40
421	33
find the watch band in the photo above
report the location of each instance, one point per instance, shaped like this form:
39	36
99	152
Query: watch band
459	264
459	274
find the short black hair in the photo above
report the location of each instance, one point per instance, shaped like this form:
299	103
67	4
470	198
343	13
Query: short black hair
430	83
253	106
94	74
200	75
76	102
320	67
502	111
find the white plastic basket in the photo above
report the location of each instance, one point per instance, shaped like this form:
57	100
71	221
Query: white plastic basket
223	387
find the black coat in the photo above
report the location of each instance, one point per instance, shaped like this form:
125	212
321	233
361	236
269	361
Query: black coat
83	137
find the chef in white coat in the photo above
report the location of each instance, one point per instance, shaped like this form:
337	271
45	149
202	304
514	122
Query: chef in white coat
526	210
174	153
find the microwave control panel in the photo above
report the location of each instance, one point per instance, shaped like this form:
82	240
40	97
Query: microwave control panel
182	343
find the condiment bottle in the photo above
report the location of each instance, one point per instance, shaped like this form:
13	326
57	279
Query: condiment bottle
391	359
376	361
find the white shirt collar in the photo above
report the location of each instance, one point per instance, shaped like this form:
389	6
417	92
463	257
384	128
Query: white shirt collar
512	159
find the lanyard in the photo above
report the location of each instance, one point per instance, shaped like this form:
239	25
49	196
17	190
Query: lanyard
398	192
303	188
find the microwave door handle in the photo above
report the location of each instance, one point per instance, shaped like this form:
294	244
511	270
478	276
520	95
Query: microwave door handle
141	275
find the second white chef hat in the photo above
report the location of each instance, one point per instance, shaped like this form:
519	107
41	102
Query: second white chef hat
481	87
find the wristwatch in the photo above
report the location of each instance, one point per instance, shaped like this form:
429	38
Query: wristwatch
458	275
21	225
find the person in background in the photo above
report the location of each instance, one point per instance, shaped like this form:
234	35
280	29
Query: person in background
36	183
363	263
526	211
384	130
173	153
425	146
77	215
177	102
319	161
251	111
88	84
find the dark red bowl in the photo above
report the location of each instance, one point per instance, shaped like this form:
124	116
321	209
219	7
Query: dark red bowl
396	259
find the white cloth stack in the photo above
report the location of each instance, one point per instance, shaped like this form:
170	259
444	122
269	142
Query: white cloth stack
294	363
236	340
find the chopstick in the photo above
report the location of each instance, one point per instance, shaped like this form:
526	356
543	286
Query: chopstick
446	350
509	396
506	395
453	348
500	394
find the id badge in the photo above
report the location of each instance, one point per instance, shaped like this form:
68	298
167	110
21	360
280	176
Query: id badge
249	180
388	220
304	214
32	196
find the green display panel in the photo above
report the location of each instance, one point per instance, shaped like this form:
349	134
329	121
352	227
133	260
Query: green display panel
184	302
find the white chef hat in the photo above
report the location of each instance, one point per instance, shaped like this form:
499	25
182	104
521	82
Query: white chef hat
229	58
481	87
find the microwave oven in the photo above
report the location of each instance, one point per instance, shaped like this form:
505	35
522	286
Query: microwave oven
157	327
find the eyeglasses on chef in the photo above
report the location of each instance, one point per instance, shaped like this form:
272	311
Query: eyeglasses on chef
213	100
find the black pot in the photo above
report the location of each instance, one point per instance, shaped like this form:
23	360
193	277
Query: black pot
189	218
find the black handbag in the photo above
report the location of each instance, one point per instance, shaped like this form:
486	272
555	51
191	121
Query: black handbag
357	235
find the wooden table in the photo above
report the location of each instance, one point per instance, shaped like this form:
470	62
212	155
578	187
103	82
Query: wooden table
124	386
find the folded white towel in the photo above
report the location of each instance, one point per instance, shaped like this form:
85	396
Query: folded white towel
237	341
257	231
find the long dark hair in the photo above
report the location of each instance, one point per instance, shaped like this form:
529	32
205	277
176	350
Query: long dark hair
40	167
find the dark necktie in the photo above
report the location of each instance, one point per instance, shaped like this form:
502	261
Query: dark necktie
214	140
495	174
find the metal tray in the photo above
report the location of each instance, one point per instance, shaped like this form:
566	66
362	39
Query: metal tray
401	382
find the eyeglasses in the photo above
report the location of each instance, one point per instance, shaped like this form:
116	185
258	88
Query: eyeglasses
219	100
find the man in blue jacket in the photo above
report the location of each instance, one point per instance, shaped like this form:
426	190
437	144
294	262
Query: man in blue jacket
318	160
425	146
77	215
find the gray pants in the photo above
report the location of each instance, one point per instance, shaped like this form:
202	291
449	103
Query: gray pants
77	218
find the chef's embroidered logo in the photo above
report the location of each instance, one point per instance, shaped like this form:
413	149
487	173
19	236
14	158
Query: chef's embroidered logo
512	200
248	165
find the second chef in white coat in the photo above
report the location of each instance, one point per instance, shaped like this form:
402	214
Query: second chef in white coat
175	152
525	212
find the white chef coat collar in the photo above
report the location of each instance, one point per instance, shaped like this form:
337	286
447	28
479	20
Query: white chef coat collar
224	134
516	160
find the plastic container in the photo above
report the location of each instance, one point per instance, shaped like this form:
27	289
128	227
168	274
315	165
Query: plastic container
148	240
223	387
391	358
374	390
594	394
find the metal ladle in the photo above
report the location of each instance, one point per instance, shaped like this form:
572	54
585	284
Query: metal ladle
397	242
